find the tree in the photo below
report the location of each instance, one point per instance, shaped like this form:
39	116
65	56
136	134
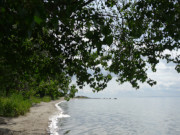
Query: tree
56	40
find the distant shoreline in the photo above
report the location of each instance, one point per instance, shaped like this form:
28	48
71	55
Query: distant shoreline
85	97
35	122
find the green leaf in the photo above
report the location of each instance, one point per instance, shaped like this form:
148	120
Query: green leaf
106	30
108	40
3	10
37	19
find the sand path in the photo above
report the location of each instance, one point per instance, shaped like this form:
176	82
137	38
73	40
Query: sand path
33	123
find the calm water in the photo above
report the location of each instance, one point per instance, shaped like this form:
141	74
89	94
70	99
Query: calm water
125	116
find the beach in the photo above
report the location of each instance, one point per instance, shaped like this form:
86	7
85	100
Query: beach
35	122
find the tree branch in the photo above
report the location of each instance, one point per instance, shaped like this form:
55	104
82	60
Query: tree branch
88	2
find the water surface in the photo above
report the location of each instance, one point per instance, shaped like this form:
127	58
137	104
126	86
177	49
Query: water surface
124	116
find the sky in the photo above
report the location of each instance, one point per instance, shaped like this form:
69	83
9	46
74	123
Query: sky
168	85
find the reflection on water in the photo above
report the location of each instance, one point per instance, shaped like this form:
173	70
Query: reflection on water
125	116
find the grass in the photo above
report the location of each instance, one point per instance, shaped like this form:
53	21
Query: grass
16	105
35	100
38	100
46	99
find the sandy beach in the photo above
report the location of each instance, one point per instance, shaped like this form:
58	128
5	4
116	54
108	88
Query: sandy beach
34	122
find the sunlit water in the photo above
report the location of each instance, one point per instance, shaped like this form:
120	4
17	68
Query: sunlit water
124	116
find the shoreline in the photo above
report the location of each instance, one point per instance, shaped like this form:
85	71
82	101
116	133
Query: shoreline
35	122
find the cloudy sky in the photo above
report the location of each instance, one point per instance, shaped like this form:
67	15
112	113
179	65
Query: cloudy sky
168	84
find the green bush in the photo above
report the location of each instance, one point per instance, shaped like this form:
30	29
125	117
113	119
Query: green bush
46	99
35	99
48	88
14	105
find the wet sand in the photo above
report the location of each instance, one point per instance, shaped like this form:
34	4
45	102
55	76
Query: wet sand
34	122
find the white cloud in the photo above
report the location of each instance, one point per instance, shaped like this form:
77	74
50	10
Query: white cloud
167	85
166	76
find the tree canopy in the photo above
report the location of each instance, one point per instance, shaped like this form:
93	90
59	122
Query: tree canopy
44	43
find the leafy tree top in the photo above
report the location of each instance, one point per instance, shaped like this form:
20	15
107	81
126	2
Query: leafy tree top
81	38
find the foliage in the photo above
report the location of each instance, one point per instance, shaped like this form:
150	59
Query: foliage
15	105
35	100
46	99
44	44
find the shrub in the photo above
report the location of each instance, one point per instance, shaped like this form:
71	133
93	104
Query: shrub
46	99
14	105
48	88
35	99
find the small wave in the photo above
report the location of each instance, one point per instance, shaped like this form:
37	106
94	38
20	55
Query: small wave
54	119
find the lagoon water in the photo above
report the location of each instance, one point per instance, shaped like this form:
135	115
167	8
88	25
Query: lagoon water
124	116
